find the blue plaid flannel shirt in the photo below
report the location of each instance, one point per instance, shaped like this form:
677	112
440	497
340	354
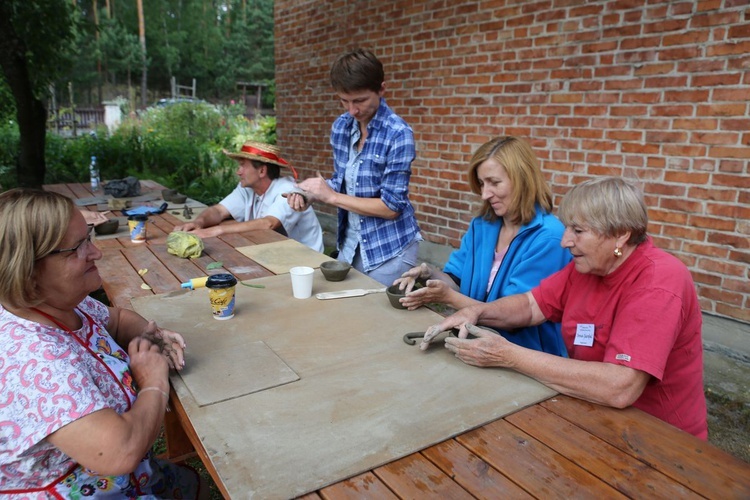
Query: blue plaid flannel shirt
384	173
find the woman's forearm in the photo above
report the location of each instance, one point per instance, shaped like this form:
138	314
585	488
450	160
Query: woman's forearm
113	444
457	300
124	325
513	311
602	383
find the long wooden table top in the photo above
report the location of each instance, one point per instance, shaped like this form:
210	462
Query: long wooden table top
560	448
122	259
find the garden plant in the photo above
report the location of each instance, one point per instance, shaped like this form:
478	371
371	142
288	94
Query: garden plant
179	146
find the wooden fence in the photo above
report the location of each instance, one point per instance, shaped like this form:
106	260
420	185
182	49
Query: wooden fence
77	121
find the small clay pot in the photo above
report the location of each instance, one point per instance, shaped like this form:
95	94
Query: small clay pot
335	270
178	198
167	194
109	227
394	294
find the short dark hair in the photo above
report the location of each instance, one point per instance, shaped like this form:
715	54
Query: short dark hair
273	171
357	70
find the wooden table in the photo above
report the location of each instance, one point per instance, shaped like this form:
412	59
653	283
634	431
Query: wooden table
560	448
123	259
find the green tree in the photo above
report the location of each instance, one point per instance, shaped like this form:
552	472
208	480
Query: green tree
121	51
247	53
7	103
58	44
35	48
216	42
82	72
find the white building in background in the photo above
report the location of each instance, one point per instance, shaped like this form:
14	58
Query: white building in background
112	115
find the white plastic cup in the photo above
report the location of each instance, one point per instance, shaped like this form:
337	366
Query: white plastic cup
302	281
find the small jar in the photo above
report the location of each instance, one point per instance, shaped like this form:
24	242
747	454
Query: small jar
137	226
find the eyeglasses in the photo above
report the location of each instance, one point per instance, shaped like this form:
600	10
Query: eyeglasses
81	248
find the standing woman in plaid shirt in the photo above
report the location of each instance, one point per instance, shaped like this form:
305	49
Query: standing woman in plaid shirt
372	151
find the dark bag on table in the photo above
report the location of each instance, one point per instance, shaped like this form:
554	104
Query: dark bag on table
123	188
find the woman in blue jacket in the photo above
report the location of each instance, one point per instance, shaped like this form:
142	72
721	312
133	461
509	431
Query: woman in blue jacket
510	246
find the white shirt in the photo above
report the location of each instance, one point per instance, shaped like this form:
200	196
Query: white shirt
245	205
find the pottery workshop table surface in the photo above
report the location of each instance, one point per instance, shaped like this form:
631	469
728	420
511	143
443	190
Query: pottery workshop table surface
358	396
164	272
558	448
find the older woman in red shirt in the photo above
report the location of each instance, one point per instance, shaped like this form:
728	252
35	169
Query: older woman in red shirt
630	315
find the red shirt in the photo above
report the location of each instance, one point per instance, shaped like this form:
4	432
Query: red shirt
645	315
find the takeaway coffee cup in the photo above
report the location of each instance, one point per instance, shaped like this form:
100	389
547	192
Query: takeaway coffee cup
137	226
221	289
302	281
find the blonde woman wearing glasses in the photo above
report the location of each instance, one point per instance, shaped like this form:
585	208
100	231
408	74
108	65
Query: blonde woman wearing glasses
84	386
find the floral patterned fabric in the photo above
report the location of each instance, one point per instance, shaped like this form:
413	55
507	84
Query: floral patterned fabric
50	377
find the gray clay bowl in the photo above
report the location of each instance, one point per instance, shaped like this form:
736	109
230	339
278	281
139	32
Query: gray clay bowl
109	227
167	194
335	270
394	294
178	198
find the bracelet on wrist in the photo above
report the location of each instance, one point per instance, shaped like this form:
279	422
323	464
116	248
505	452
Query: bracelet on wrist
156	389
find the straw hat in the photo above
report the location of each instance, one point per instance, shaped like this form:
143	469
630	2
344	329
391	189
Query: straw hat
262	152
258	151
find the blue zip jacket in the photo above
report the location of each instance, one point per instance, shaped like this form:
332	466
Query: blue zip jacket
534	254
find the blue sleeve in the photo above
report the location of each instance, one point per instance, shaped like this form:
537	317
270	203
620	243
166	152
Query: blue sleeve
457	259
545	257
338	145
397	173
472	262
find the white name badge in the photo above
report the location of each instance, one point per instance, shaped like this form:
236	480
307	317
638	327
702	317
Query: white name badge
584	335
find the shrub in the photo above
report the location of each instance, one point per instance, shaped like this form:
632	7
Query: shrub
179	146
68	159
9	141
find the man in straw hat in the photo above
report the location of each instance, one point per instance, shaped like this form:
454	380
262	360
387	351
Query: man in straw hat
257	202
372	153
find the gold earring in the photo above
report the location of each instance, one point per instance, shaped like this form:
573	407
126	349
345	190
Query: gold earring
618	252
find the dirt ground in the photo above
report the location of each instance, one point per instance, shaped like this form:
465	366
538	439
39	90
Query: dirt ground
729	425
726	378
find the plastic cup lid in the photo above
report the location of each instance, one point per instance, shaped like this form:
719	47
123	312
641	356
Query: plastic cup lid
221	281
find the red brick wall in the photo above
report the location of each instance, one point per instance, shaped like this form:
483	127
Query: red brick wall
654	91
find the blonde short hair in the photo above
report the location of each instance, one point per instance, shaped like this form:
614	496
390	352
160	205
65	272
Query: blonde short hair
609	206
529	186
32	224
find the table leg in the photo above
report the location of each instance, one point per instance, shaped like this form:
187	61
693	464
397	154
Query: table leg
181	436
179	447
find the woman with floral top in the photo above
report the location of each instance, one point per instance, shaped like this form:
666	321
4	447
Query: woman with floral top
84	386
